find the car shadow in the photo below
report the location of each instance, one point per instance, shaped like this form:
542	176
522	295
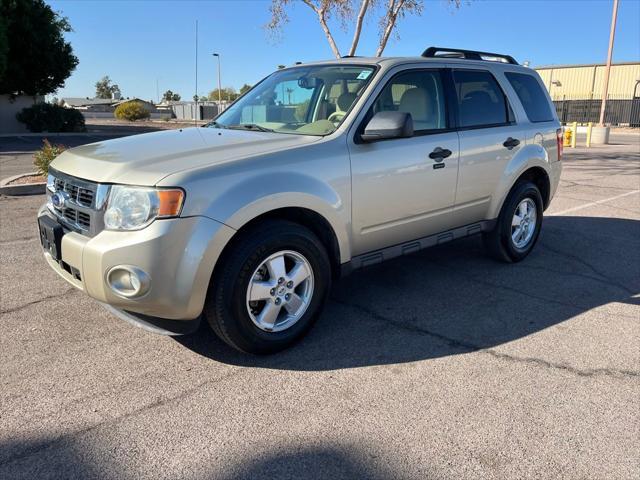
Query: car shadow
70	458
453	299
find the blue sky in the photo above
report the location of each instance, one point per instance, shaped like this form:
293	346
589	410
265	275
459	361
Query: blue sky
139	43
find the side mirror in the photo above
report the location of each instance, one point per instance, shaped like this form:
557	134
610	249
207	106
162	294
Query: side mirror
386	125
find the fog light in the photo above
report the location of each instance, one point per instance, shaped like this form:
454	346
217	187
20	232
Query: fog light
128	281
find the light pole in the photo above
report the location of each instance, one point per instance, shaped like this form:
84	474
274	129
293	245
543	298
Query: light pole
607	71
219	82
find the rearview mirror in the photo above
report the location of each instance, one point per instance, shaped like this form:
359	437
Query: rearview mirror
308	82
386	125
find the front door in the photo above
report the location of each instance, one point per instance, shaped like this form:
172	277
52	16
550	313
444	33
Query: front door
404	189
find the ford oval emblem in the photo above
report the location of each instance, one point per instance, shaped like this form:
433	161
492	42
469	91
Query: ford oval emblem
58	199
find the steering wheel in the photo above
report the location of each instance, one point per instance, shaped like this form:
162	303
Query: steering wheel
336	117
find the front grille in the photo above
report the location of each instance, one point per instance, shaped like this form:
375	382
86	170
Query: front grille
77	217
83	206
84	219
80	195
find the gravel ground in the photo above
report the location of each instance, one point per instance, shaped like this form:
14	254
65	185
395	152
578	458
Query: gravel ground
440	365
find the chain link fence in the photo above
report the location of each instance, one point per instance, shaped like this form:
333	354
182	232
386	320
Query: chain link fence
620	111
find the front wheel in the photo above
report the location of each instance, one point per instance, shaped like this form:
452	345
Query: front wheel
518	226
270	289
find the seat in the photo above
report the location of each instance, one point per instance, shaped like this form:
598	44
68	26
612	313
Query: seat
477	108
343	103
419	104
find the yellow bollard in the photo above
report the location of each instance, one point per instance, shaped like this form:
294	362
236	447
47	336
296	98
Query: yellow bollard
589	127
574	134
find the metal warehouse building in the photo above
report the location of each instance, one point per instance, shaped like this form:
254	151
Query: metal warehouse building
576	91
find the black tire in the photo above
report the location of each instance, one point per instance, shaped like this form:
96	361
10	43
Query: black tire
226	305
498	242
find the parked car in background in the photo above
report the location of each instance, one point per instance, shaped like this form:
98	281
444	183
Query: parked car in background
320	169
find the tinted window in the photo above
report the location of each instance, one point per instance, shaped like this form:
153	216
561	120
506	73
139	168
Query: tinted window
419	93
531	96
480	100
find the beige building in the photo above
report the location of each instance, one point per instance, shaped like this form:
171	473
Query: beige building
587	81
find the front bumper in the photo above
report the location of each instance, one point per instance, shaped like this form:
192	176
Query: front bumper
177	254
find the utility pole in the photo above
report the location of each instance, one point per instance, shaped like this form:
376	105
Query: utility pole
219	82
195	116
607	71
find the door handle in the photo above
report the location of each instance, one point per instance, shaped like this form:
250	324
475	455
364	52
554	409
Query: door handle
511	143
439	154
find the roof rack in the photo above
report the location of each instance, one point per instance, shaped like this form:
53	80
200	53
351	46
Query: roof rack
432	52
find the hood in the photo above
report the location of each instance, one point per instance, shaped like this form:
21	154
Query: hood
147	158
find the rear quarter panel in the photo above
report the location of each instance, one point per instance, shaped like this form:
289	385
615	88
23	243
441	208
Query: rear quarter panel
541	148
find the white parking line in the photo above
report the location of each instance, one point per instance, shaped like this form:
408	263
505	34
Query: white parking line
591	204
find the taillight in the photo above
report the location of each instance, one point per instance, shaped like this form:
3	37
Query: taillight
560	142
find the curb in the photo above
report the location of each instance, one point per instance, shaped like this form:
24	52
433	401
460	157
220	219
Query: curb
21	189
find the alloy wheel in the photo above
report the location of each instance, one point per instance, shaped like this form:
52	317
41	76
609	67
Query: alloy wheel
524	223
280	291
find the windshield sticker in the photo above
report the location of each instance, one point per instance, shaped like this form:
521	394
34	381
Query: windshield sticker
364	74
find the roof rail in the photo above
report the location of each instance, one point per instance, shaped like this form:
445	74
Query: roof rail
432	52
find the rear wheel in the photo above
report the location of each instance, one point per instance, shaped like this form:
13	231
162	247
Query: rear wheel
518	226
270	289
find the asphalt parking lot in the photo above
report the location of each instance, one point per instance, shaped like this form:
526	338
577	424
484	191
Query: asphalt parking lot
440	365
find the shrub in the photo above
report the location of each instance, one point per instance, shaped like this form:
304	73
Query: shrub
48	117
131	111
47	154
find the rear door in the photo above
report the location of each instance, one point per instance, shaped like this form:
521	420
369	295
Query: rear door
489	138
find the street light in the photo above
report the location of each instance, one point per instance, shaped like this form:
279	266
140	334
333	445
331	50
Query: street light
607	70
219	83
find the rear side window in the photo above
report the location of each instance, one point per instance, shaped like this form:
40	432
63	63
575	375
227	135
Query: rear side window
481	101
531	96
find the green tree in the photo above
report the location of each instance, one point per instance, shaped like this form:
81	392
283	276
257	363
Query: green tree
169	96
105	89
228	93
34	57
245	88
131	111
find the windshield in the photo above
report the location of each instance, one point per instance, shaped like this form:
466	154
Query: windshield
305	100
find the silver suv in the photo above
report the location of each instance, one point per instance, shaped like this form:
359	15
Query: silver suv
320	169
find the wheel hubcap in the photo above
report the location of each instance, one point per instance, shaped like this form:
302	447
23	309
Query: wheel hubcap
523	224
280	291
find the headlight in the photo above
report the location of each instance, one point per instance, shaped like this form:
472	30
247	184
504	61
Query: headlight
133	208
51	183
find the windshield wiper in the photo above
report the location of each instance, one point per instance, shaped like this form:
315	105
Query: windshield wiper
250	126
216	124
